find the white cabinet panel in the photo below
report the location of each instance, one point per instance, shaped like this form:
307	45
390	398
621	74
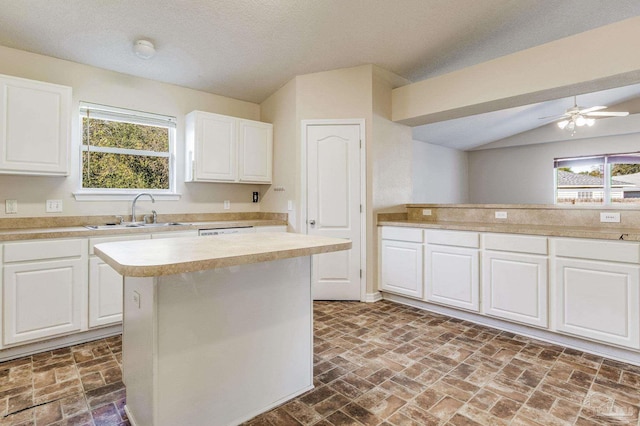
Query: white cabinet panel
597	300
35	122
401	267
221	148
105	294
401	233
514	287
105	284
451	276
213	147
452	238
613	251
43	299
255	151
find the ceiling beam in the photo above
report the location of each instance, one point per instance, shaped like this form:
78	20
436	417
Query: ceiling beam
598	59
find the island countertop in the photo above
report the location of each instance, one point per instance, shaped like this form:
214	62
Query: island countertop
149	258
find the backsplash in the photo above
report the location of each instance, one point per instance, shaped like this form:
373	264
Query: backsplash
525	214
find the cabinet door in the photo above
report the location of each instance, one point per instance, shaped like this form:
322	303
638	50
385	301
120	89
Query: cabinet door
597	300
35	126
215	148
43	299
105	294
401	268
514	287
255	150
451	276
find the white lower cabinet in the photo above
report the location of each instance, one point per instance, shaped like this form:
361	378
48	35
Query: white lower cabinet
515	278
514	287
401	260
598	300
44	289
105	285
452	271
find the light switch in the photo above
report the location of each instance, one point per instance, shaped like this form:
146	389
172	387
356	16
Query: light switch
290	205
227	204
11	206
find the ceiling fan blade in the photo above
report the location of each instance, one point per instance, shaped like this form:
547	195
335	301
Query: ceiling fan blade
607	114
554	117
594	108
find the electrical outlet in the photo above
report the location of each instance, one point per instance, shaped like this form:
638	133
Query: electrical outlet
11	206
227	204
136	299
501	215
610	217
53	206
290	205
426	212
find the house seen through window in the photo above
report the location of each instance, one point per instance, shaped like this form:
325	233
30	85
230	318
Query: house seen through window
125	150
603	179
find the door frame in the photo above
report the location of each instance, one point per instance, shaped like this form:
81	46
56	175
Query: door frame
304	124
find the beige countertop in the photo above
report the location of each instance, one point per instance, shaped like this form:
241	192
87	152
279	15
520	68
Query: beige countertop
81	231
149	258
609	233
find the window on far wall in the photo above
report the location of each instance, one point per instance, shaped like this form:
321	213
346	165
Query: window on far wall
126	151
603	179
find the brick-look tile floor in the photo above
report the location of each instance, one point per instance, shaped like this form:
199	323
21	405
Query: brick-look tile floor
375	364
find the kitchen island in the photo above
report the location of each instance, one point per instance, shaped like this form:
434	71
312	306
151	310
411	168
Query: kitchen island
216	329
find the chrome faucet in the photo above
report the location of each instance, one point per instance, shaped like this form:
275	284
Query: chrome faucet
133	204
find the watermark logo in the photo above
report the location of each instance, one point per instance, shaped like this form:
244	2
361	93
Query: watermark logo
603	406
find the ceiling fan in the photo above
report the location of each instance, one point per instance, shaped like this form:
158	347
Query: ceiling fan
578	116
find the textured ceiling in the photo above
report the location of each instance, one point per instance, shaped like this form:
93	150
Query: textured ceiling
247	49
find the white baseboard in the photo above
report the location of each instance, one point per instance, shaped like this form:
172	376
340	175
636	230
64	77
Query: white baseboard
603	350
60	342
372	297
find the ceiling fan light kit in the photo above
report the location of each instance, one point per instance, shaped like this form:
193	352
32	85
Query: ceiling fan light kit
578	116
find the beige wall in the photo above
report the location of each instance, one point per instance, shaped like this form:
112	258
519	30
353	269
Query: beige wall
362	92
281	110
593	60
440	174
389	159
110	88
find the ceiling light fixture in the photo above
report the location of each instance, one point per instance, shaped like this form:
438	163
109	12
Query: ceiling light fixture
144	49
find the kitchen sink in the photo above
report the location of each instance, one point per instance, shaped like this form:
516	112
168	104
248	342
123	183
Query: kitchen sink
134	225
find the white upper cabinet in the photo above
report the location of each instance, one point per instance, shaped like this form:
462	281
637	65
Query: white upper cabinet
255	151
35	123
227	149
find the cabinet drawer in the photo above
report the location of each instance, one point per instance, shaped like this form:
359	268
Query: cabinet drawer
402	234
100	240
515	243
453	238
614	251
42	250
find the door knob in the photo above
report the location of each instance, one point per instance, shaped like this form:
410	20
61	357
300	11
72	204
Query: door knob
312	222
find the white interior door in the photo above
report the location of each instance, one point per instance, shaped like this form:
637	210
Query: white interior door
333	207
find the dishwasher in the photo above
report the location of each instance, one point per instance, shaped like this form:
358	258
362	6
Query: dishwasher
221	231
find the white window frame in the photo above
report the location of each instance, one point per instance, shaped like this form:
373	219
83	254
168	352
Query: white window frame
127	116
607	160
